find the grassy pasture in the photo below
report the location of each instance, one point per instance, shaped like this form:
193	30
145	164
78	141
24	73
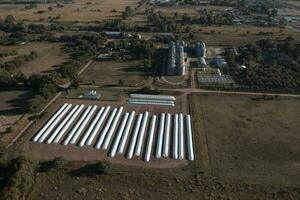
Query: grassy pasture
86	10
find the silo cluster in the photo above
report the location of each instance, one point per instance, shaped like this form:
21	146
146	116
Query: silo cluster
201	54
176	58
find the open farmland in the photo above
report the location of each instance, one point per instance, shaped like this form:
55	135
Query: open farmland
238	165
86	10
249	140
239	35
131	73
49	56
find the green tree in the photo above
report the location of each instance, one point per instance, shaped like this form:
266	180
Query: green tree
10	20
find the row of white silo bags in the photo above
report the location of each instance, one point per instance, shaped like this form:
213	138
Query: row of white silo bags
170	131
54	123
49	122
154	97
62	124
174	128
168	128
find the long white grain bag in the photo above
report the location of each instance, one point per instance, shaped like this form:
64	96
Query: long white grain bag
78	123
97	127
175	136
91	127
167	136
62	132
38	135
61	125
141	135
160	135
126	133
150	139
180	138
82	125
106	128
189	138
112	128
134	136
116	142
51	127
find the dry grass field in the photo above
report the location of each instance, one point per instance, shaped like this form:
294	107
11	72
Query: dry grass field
251	140
110	73
49	56
80	10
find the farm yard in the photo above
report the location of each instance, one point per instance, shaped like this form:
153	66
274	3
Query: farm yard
83	11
